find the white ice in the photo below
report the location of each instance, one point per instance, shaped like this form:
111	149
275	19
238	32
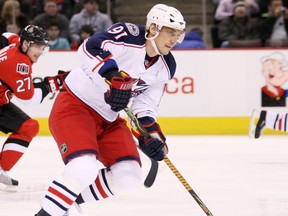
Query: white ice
232	175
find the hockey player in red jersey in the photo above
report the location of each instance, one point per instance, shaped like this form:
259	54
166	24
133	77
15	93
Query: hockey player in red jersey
127	63
16	59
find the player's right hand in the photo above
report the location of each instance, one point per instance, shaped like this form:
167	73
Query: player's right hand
120	92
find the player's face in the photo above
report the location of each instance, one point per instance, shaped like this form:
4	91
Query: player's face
167	39
35	51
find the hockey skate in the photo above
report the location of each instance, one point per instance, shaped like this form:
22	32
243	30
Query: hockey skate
65	214
255	130
6	182
44	213
77	206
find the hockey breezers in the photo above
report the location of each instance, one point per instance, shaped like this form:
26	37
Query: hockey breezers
153	173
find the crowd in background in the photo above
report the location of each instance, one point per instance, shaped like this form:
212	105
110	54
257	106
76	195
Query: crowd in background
67	22
250	23
244	24
237	23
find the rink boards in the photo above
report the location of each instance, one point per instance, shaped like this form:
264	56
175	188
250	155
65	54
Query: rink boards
193	126
213	91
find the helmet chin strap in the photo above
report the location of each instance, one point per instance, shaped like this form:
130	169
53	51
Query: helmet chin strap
151	39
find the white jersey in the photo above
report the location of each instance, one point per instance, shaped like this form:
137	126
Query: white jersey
122	47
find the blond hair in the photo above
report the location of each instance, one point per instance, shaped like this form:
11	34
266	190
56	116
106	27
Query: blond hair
8	7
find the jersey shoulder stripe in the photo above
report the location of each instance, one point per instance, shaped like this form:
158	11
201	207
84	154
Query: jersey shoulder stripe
119	33
171	63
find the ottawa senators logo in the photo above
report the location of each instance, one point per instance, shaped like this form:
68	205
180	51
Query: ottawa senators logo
22	68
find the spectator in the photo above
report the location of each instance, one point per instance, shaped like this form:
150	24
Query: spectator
193	39
51	15
64	7
55	41
13	27
226	8
91	15
11	13
274	24
264	4
86	31
239	26
26	6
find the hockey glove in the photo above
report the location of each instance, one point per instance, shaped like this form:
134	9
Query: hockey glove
120	92
54	83
155	147
152	148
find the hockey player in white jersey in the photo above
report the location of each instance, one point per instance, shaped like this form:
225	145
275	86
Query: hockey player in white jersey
127	63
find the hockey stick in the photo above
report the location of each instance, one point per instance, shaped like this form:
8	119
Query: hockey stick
170	165
154	164
187	186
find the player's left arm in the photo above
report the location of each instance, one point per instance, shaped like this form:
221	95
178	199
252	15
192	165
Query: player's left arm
144	107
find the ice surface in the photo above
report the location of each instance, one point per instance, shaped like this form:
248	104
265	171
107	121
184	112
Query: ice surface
233	175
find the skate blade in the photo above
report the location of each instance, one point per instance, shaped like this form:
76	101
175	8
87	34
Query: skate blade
8	188
252	125
78	208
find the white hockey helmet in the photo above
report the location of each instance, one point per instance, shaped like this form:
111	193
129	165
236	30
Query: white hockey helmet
163	15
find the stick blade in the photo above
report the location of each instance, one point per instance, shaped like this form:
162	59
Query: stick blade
150	179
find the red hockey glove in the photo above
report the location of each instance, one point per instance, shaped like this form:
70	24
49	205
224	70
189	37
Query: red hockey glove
54	83
155	147
120	92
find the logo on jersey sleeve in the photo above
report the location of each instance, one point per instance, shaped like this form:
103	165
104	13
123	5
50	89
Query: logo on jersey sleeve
133	29
22	68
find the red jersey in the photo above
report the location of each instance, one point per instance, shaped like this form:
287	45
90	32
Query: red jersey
15	71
